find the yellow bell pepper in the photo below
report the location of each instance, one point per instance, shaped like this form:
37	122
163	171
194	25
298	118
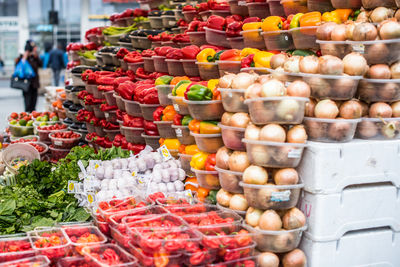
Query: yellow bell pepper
331	17
180	91
199	160
172	143
272	23
191	149
206	55
262	59
254	33
212	84
248	51
252	26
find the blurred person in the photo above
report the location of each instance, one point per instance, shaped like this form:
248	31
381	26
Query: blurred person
46	55
56	63
2	66
31	55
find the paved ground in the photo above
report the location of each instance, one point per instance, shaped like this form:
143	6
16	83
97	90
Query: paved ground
11	101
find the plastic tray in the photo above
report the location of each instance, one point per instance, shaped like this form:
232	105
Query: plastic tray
118	206
152	141
205	110
189	15
371	4
19	131
111	116
144	43
185	163
208	70
375	90
253	38
209	143
148	260
205	15
294	7
305	37
99	131
277	241
7	242
250	261
232	137
148	64
117	219
125	258
378	128
34	261
183	134
179	105
229	180
278	40
233	100
277	197
71	261
53	253
275	8
221	13
334	48
207	179
73	234
273	154
133	108
330	130
236	42
111	134
58	153
319	5
165	130
378	51
110	99
133	135
258	9
64	143
168	21
238	8
260	71
159	64
102	225
272	109
353	4
197	38
163	91
97	112
147	110
216	37
156	22
175	67
90	88
225	67
190	68
134	66
44	134
239	212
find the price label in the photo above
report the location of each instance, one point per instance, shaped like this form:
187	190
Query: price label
58	143
176	107
241	3
178	132
295	153
107	115
71	187
360	48
91	198
280	196
83	170
165	153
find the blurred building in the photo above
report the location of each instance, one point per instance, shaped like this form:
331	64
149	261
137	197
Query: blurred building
21	20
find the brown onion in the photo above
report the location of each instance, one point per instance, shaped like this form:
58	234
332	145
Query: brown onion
238	161
350	25
255	175
243	80
223	197
268	259
309	64
396	109
395	70
380	110
298	88
253	91
226	80
339	33
238	202
380	14
297	134
240	120
252	132
287	176
363	16
377	52
295	258
270	221
355	64
367	129
278	60
330	65
339	130
364	109
324	31
273	88
389	30
326	109
222	158
365	32
273	133
292	64
226	118
310	106
351	109
293	219
379	71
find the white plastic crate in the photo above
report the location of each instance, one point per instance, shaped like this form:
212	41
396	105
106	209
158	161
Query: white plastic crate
374	247
358	207
329	167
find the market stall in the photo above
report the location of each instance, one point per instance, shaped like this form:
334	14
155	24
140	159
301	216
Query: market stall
214	134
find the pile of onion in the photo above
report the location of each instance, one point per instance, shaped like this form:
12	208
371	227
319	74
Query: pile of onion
236	161
294	258
233	201
276	133
275	88
271	220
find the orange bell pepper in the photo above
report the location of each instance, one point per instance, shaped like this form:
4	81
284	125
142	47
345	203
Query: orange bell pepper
168	113
181	149
194	126
191	149
272	23
202	193
310	19
343	14
176	80
191	184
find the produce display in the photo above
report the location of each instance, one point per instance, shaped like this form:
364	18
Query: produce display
184	131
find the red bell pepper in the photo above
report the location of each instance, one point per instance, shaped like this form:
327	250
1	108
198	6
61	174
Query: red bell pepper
162	50
251	19
210	162
181	38
216	23
122	52
177	119
190	51
148	53
234	28
158	113
133	57
232	18
126	90
174	53
188	8
248	62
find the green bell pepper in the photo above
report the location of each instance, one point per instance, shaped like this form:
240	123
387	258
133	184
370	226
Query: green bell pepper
199	92
295	23
212	197
186	119
163	80
303	53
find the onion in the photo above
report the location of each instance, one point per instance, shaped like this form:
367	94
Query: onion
351	109
388	91
299	88
379	71
226	118
363	16
278	60
222	157
397	15
310	106
253	216
339	33
268	259
377	52
243	80
223	197
396	109
253	91
255	175
364	109
293	219
395	70
238	202
270	221
297	134
292	64
264	78
273	133
326	109
350	25
273	88
380	14
389	30
238	161
226	80
324	31
288	109
287	176
380	110
339	130
252	132
355	64
365	32
295	258
309	64
330	65
240	120
367	129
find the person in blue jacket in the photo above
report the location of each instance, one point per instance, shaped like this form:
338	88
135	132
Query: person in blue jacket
56	63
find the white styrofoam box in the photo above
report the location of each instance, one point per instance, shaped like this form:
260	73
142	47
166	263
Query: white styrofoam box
330	167
373	247
358	207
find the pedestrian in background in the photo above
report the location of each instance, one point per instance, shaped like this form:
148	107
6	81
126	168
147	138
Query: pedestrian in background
46	55
2	67
56	63
31	55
